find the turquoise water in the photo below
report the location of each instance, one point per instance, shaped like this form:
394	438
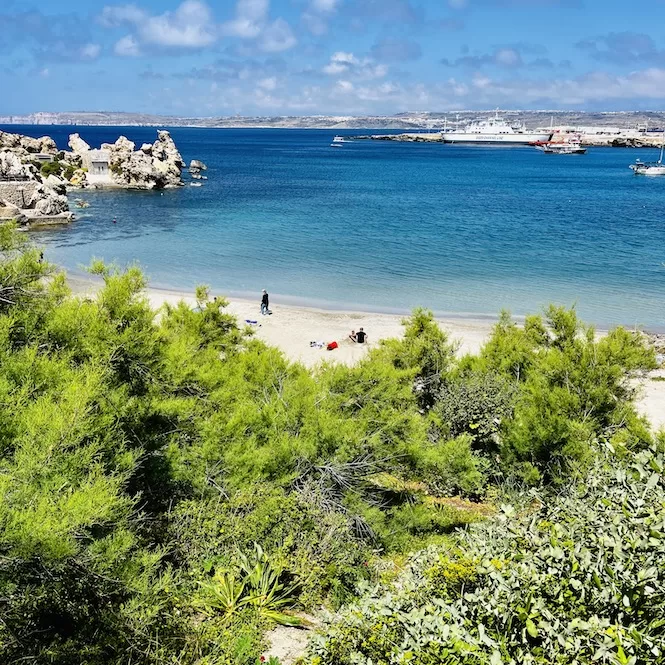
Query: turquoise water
387	226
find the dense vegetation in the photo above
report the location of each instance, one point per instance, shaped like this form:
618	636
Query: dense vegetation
574	578
171	487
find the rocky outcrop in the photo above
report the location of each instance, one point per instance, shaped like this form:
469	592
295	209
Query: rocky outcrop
12	168
57	184
154	166
79	179
26	145
78	145
46	202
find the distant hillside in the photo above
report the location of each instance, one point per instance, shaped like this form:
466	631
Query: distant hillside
406	120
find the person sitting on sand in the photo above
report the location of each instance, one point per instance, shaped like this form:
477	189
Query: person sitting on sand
352	336
361	336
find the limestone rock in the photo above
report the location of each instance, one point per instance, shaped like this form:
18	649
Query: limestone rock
11	167
9	141
57	184
45	201
196	166
77	144
123	146
153	166
79	179
164	149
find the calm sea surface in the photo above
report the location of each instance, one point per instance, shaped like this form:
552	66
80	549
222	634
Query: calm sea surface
386	226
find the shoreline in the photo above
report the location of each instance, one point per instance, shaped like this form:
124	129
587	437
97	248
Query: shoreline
301	302
291	328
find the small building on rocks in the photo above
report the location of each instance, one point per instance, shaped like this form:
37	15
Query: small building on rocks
97	162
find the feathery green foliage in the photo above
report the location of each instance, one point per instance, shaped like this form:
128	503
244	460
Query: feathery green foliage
144	454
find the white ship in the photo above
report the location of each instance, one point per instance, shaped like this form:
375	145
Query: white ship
494	131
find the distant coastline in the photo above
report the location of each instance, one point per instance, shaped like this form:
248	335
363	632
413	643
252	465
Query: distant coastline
407	120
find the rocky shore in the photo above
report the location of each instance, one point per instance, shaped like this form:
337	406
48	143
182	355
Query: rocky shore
35	176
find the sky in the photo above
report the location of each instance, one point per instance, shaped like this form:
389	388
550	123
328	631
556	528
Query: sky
339	57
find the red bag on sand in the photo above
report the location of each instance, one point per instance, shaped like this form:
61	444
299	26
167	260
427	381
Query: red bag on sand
332	345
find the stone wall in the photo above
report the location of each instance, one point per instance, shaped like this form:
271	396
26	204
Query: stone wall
10	191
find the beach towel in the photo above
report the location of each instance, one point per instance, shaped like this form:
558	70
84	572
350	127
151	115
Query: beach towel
332	345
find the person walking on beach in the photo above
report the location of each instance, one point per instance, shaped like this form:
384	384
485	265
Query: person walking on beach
264	303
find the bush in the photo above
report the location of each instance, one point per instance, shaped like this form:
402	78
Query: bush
573	392
51	168
143	455
475	404
573	577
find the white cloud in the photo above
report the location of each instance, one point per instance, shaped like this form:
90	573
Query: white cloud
251	16
127	46
591	89
343	62
90	51
252	22
191	25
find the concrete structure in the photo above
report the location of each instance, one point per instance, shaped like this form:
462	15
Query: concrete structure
97	162
42	157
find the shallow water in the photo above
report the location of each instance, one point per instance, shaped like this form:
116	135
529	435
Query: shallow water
387	226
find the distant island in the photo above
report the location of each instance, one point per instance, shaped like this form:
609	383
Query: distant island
406	120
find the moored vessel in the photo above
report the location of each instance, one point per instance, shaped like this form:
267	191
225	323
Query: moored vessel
572	145
650	168
495	131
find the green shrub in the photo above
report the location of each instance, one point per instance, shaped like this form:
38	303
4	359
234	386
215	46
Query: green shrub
51	168
475	404
574	391
139	453
574	577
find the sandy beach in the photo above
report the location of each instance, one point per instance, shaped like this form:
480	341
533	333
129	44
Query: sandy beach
291	329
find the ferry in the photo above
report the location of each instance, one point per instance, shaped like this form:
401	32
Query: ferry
494	131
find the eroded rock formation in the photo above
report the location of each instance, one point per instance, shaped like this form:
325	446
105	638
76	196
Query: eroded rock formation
154	166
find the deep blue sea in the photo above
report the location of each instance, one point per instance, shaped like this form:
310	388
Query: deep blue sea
386	226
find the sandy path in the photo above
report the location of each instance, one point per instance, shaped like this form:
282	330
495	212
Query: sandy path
291	329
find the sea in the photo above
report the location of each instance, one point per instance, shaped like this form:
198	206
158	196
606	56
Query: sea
384	226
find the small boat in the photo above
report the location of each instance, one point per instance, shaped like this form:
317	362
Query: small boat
571	146
336	145
340	139
650	168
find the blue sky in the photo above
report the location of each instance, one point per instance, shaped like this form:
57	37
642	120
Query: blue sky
342	57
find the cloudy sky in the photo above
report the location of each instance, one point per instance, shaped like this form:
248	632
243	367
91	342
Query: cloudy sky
304	57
